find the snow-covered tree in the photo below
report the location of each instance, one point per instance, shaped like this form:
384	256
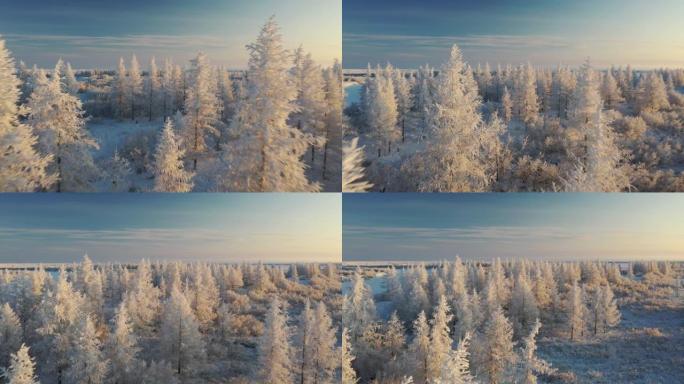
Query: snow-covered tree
576	312
524	310
496	356
120	94
71	85
135	85
21	368
87	363
382	110
169	172
652	93
58	120
181	340
168	90
202	112
506	105
334	119
122	349
22	168
603	310
402	92
119	170
353	171
275	364
159	372
452	161
142	300
310	101
152	87
360	309
610	91
525	98
395	337
325	357
10	334
267	154
440	339
530	364
456	367
348	372
420	348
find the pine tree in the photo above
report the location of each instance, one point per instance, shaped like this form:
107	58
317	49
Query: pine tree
22	169
353	171
58	120
452	160
122	348
382	112
530	364
10	334
440	340
267	154
201	109
652	93
181	341
170	175
348	372
360	309
21	368
394	336
524	310
525	98
275	364
135	85
610	91
142	300
87	364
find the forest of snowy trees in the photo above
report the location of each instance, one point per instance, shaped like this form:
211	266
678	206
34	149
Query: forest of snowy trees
464	129
457	322
275	127
171	323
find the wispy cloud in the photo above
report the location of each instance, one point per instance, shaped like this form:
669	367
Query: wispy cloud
477	41
135	42
500	233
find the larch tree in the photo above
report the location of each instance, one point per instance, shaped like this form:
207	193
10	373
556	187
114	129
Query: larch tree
402	92
169	172
525	98
181	340
452	162
506	105
456	367
395	337
205	297
267	154
275	364
22	168
334	119
305	337
419	348
325	357
119	171
21	368
71	85
58	120
120	90
575	312
524	310
135	85
496	355
348	372
87	363
360	309
159	372
652	94
10	334
142	299
440	339
122	349
610	91
202	114
382	112
168	90
310	102
530	364
153	86
353	171
604	311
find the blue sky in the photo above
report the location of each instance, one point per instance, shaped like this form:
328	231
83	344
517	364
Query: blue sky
219	227
96	33
541	226
410	33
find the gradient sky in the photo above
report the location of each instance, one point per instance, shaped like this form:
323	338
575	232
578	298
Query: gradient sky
410	33
94	34
221	227
557	226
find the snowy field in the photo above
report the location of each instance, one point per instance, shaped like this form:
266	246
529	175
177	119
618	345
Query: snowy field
644	343
456	128
171	323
